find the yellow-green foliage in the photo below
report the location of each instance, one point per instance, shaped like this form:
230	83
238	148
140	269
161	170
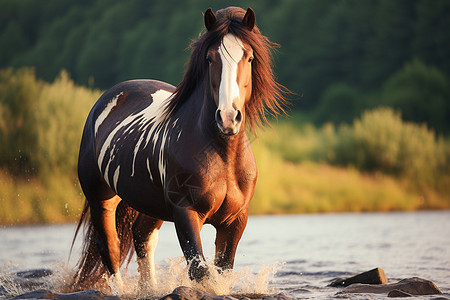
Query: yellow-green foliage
60	114
379	163
30	201
41	123
18	93
310	184
381	141
40	132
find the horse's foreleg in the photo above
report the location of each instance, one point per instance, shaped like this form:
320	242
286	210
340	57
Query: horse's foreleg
103	215
188	226
145	234
227	239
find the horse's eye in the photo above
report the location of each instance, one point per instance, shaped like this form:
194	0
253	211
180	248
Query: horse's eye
250	59
209	59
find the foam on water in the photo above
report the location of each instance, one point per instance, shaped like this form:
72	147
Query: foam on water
172	274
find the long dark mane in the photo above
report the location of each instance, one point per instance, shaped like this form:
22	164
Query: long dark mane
267	94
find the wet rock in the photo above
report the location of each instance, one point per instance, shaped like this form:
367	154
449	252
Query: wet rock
279	296
186	293
26	280
412	286
37	273
39	294
398	294
83	295
375	276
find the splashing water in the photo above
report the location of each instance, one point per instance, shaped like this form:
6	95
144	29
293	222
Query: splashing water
172	274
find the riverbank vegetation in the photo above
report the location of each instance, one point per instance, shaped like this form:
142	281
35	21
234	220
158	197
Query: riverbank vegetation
379	163
376	163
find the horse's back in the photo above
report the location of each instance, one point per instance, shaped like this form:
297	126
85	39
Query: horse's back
124	99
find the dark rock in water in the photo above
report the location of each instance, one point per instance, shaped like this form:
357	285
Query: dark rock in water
279	296
39	294
375	276
186	293
412	286
37	273
83	295
27	280
398	294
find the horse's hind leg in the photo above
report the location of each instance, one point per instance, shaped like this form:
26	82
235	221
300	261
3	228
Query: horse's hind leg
145	234
103	216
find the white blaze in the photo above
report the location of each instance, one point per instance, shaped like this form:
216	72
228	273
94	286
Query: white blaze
231	52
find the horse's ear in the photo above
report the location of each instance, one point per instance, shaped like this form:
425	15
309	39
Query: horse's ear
249	19
210	18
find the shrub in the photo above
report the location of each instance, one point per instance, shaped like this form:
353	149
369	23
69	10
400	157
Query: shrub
41	123
61	112
381	141
19	91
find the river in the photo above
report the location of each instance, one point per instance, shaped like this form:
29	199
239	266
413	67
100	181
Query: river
298	255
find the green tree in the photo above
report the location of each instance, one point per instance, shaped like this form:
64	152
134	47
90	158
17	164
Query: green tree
12	40
431	42
339	103
421	93
390	46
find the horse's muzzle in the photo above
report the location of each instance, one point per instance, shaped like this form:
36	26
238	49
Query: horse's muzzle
229	121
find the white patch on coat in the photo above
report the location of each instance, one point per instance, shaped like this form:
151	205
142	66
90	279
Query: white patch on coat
231	52
104	114
107	143
148	169
150	117
153	121
149	125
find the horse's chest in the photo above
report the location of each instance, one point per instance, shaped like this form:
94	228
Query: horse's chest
228	190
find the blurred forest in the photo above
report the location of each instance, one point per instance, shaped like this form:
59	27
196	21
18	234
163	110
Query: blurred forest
342	56
373	75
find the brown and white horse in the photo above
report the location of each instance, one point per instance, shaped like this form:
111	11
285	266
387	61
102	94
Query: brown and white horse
151	152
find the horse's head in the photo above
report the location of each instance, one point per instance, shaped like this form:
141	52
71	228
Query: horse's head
233	61
230	74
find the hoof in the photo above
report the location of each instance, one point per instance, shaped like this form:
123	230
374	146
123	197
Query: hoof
197	270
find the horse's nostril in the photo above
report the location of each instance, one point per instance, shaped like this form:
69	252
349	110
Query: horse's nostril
218	117
239	116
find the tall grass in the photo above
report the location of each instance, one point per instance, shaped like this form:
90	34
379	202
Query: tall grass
381	141
378	163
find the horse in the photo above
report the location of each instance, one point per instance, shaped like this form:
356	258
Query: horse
151	152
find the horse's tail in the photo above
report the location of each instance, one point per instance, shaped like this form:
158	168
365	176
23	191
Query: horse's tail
90	268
